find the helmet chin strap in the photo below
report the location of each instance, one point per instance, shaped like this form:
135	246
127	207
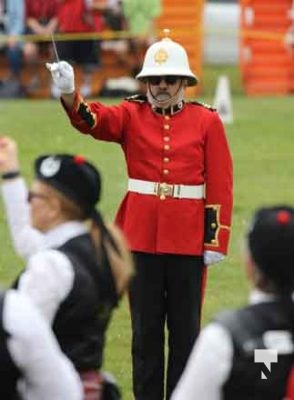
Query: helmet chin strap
176	98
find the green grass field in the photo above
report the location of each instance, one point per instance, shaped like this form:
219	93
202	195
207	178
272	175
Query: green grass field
262	145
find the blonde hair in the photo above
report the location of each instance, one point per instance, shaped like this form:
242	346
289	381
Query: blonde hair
120	258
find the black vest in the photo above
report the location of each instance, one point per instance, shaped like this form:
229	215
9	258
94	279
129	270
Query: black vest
248	328
81	321
9	373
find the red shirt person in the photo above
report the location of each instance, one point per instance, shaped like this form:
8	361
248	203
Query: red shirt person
85	18
177	211
40	10
40	20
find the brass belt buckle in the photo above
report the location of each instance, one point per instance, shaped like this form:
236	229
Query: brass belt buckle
164	190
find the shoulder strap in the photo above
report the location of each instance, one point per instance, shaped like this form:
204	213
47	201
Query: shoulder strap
240	324
137	98
201	104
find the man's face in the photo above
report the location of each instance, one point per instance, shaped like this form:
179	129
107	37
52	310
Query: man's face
164	88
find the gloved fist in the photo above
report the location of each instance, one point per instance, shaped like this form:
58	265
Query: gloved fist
63	76
212	257
8	155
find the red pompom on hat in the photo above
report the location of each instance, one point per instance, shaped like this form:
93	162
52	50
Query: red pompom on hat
271	244
78	159
283	217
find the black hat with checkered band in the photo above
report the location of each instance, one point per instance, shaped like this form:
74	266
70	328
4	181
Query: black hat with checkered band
73	176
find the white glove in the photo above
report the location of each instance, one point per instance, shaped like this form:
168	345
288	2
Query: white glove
63	76
212	257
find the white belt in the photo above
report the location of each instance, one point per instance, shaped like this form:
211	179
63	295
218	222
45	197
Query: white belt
166	190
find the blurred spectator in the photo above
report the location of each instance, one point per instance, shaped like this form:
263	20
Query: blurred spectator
140	21
125	51
137	18
85	16
40	19
140	15
224	361
115	21
113	15
98	8
12	12
77	267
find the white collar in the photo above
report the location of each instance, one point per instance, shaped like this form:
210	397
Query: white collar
258	296
62	233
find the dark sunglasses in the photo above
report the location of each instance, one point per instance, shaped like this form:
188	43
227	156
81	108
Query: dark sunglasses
169	80
33	195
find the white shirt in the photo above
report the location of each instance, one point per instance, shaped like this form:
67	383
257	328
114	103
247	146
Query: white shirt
47	373
210	362
49	275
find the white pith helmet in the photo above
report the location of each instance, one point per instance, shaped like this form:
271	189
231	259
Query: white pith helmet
167	57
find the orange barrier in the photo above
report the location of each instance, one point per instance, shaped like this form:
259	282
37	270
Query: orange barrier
184	19
266	64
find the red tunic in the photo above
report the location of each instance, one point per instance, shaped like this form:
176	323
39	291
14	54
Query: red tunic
72	17
190	148
41	9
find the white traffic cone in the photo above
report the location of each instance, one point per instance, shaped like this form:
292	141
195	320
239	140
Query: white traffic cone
223	101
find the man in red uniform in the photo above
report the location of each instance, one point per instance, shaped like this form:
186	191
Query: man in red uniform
177	211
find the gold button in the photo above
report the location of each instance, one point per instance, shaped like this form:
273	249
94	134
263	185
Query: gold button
167	117
165	172
166	147
166	138
166	126
213	225
166	160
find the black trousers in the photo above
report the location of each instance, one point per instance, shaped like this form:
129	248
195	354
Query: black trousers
166	292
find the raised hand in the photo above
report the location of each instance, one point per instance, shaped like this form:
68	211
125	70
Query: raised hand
63	76
8	155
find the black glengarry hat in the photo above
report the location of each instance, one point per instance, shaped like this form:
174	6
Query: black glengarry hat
271	243
73	176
